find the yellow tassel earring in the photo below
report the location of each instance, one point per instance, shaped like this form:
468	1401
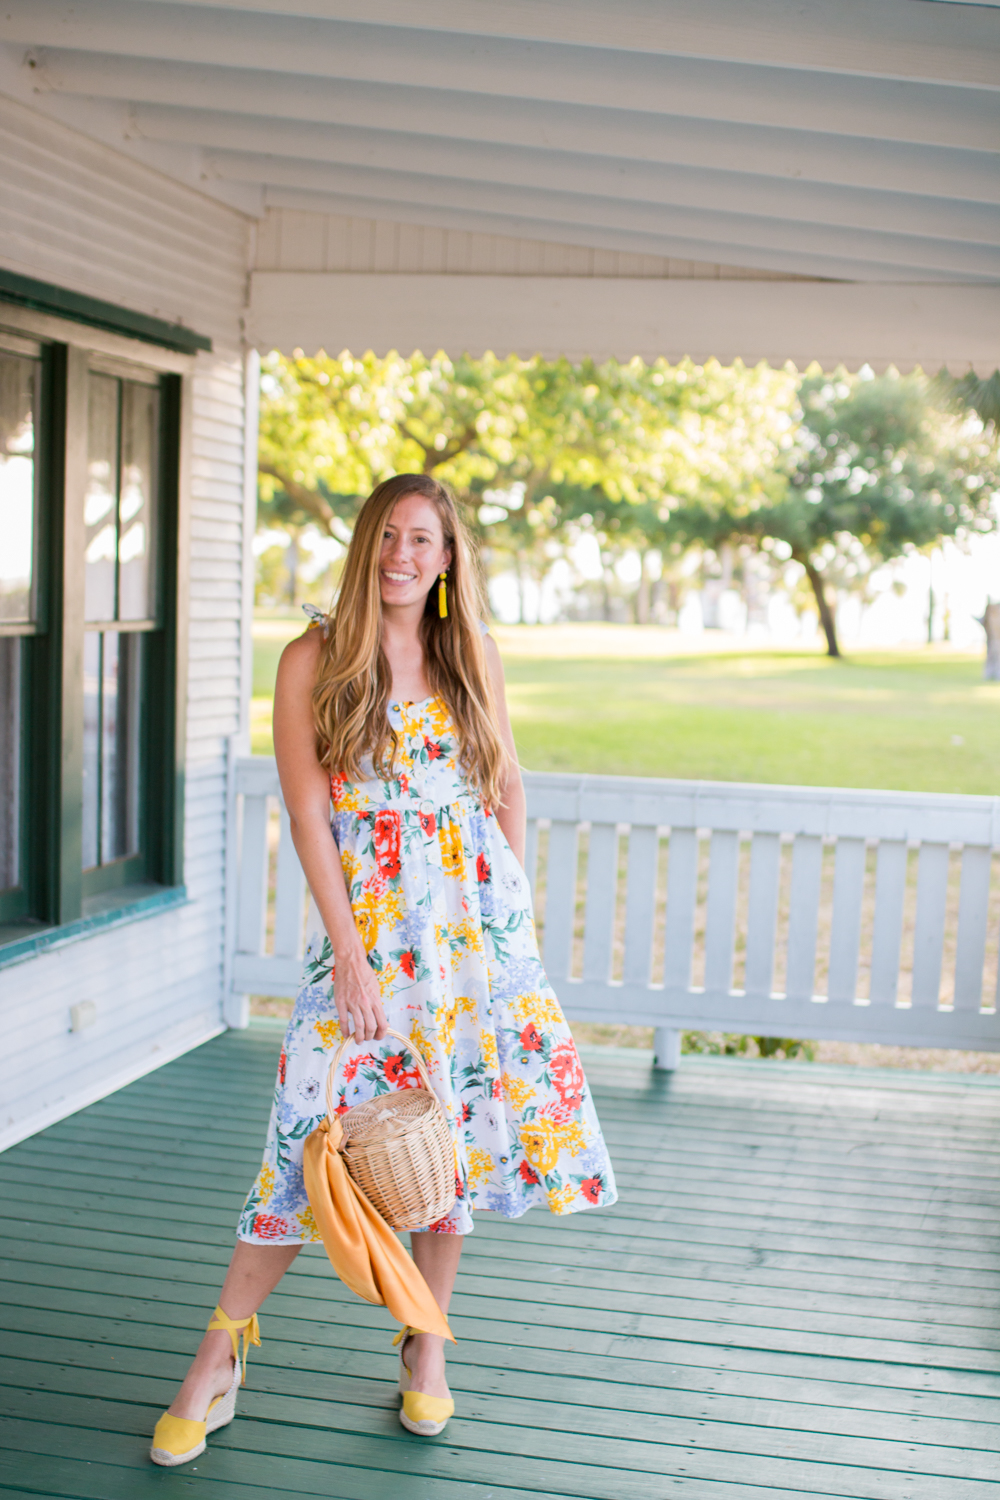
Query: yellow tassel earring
442	596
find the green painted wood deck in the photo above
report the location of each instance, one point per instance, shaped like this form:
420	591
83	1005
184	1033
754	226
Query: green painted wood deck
797	1295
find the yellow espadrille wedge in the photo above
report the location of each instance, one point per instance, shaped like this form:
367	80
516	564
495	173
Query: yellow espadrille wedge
177	1440
424	1415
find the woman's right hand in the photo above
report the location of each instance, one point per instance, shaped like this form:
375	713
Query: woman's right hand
358	998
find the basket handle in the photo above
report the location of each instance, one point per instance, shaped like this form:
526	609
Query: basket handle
410	1047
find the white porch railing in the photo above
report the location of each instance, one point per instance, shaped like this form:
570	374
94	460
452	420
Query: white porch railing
776	911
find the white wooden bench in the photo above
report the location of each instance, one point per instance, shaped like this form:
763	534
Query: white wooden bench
774	911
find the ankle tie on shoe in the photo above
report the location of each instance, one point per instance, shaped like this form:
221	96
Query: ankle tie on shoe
249	1327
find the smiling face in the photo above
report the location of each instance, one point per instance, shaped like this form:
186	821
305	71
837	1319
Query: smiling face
413	552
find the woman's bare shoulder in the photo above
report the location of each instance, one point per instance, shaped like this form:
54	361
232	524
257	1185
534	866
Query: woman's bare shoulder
300	658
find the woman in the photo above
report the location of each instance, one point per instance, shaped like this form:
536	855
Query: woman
396	707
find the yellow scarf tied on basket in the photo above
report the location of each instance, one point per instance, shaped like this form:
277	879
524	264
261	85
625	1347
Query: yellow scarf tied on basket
363	1250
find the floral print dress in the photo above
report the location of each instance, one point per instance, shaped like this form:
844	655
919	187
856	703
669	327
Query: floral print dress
444	911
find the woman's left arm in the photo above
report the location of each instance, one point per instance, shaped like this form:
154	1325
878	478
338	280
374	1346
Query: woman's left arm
512	814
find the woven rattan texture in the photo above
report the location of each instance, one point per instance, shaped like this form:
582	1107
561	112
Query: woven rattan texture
399	1151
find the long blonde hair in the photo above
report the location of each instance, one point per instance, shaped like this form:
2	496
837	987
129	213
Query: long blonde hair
354	682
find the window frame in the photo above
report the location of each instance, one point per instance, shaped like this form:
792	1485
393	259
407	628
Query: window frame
52	878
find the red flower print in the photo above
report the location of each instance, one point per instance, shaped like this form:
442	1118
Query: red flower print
404	1078
528	1172
459	1188
404	783
270	1227
531	1038
406	964
591	1189
282	1065
342	1105
567	1074
337	784
497	1089
375	883
386	841
433	750
353	1064
482	868
428	823
466	1114
443	1226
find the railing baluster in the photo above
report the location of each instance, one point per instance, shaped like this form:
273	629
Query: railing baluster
720	916
602	884
289	896
845	928
887	936
762	913
682	890
928	937
640	904
973	909
803	916
560	898
531	854
252	912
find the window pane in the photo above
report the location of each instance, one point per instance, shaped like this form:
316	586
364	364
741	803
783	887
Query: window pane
100	505
140	412
10	762
120	700
91	748
17	485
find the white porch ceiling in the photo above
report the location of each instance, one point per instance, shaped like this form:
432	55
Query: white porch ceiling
847	140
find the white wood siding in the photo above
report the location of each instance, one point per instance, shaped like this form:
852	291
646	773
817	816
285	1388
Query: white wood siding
78	214
290	239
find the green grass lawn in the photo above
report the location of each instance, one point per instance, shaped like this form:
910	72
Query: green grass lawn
914	720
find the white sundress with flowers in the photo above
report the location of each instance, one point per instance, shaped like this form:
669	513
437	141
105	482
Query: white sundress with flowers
444	911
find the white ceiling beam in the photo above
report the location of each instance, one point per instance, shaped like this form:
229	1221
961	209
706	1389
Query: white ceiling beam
933	114
563	171
798	155
602	318
920	254
778	261
891	39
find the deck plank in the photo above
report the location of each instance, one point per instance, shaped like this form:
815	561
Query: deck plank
797	1294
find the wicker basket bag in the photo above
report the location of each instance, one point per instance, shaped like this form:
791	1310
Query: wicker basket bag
398	1150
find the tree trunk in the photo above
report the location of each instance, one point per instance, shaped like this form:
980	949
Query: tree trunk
292	564
826	617
990	621
642	592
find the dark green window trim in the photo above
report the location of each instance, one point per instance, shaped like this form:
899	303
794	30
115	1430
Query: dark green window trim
101	912
57	898
42	296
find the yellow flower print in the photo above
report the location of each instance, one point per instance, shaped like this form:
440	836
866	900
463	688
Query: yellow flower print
351	865
516	1090
329	1033
308	1225
452	853
561	1200
541	1009
465	937
480	1166
373	911
488	1047
387	980
439	716
542	1140
418	1037
266	1184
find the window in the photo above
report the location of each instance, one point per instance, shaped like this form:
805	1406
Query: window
120	607
89	774
20	380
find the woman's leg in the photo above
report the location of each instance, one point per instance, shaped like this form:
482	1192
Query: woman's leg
437	1257
254	1272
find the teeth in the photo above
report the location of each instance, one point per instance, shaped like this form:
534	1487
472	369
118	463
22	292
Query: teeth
401	577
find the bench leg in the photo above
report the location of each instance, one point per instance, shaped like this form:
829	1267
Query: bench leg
666	1048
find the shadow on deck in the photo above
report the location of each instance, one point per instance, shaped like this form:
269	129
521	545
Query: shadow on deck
796	1296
